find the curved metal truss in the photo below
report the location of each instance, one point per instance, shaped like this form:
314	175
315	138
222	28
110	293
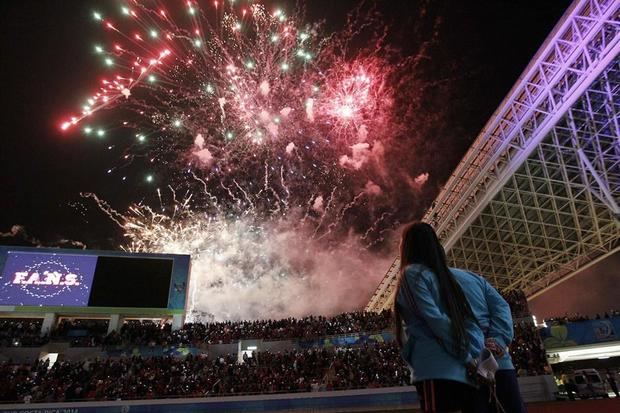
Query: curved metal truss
536	198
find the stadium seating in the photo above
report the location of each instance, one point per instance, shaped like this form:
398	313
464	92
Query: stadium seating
368	363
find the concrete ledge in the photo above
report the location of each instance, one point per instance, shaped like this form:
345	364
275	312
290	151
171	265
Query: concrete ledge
390	398
533	389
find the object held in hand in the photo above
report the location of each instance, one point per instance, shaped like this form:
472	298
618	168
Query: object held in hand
494	347
486	366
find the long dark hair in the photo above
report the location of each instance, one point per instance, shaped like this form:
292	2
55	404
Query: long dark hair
420	245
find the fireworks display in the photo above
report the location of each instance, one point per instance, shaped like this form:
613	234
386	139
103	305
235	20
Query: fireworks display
265	140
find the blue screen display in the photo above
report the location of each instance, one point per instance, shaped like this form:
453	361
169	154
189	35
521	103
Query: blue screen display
46	279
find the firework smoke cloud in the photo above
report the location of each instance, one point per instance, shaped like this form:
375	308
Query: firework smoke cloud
269	139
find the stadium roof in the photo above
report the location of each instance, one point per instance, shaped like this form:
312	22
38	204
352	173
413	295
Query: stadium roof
536	198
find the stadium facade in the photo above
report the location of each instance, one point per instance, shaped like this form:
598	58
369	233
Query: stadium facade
536	198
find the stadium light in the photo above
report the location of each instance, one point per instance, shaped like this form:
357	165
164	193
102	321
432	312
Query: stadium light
597	351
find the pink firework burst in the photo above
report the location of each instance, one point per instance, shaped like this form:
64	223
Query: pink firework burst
357	95
244	103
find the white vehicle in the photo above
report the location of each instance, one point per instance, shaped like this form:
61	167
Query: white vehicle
589	384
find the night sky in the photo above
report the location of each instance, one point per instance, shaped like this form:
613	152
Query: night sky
48	67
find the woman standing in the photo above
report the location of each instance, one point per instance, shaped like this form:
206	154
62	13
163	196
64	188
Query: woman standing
447	313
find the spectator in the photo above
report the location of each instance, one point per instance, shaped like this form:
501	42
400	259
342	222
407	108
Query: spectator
443	337
151	333
611	380
527	350
575	317
138	378
21	333
451	315
81	332
518	303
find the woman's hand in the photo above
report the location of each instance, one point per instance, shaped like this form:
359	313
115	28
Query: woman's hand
473	375
494	347
472	370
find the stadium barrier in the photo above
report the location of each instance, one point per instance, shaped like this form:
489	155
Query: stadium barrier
366	399
538	388
533	389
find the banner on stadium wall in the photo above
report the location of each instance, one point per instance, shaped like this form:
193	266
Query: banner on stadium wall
147	351
581	333
347	340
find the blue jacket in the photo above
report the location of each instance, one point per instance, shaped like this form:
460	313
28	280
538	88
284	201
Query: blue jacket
491	311
433	360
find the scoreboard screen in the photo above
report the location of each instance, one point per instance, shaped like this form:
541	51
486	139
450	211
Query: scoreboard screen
45	277
123	282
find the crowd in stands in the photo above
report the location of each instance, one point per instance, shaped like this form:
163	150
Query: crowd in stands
81	332
21	332
130	378
573	317
380	365
366	366
518	303
94	332
151	333
527	350
363	366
